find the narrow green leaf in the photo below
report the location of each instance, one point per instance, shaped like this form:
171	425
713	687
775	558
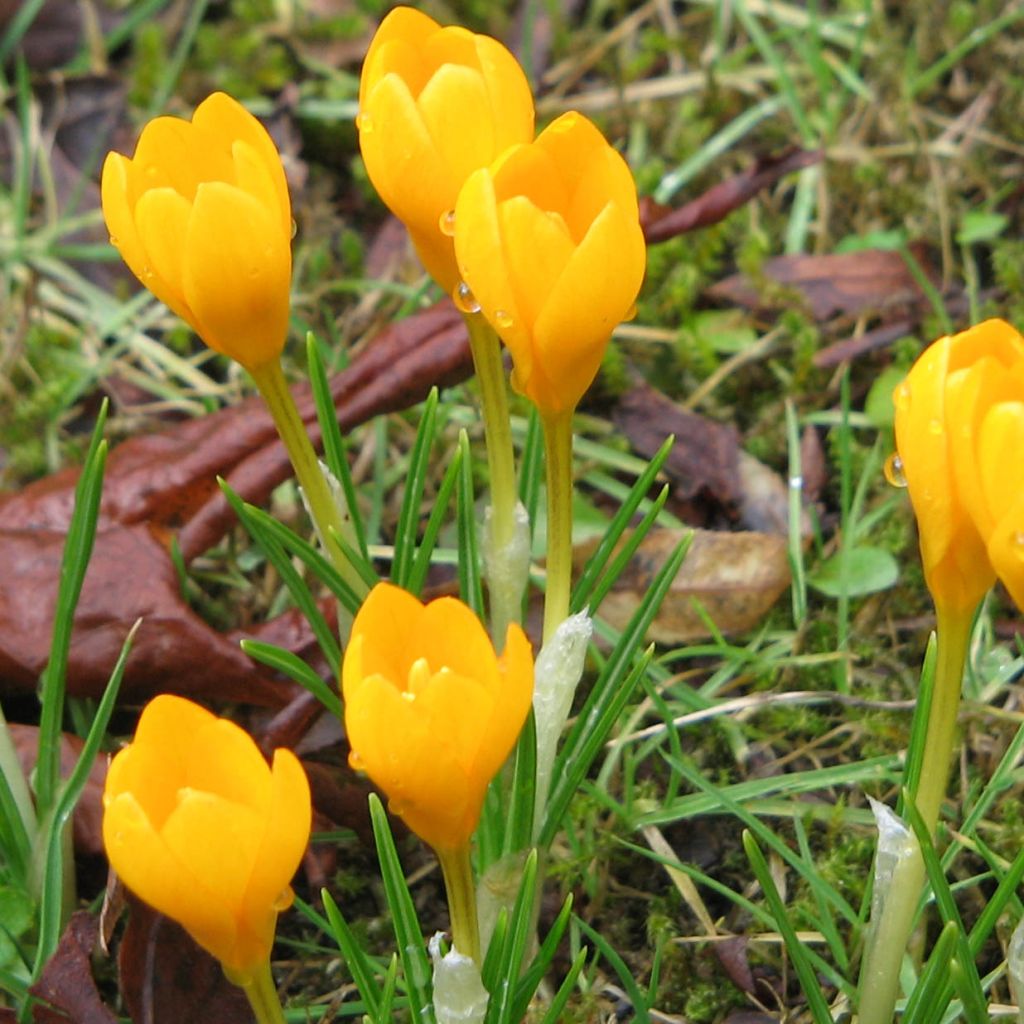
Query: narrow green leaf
531	467
816	1001
582	592
412	499
520	927
532	977
470	586
295	668
558	1004
411	948
424	553
931	993
641	1013
359	965
333	441
77	551
518	833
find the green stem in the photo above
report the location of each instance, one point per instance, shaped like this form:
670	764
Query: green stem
558	472
879	981
953	634
458	883
490	373
327	517
261	992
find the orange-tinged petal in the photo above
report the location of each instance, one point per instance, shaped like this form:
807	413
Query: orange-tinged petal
433	738
145	864
254	175
223	759
237	273
511	99
385	616
199	827
448	634
286	826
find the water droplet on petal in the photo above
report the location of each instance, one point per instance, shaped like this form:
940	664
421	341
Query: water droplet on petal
284	899
464	299
630	313
364	123
796	483
1017	540
901	398
397	807
147	272
446	223
935	426
295	228
356	761
502	320
893	470
408	695
113	240
566	122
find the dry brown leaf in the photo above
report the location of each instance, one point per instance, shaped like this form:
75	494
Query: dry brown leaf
736	577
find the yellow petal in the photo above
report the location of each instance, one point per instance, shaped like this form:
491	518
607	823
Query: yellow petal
403	25
255	176
145	864
593	294
225	119
222	759
388	613
286	827
511	98
456	111
449	635
237	275
1006	550
401	158
162	216
483	263
1000	455
173	154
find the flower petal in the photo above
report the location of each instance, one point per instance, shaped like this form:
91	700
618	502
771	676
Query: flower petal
237	274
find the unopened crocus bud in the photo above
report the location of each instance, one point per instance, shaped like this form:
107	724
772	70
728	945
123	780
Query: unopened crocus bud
548	240
431	711
960	442
435	104
202	217
200	827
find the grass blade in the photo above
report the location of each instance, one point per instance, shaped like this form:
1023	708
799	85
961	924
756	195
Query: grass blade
412	499
294	668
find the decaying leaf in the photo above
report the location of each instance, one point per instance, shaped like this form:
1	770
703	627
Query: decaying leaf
735	577
165	978
662	222
852	283
66	987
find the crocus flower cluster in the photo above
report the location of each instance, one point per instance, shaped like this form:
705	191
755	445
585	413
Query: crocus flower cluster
960	440
547	239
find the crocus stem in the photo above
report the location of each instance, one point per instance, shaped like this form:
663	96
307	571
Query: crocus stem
458	882
323	508
558	472
262	995
490	372
953	634
879	980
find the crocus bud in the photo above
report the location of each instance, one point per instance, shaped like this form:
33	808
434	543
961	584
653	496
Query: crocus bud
435	104
201	216
548	240
197	825
430	710
960	442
